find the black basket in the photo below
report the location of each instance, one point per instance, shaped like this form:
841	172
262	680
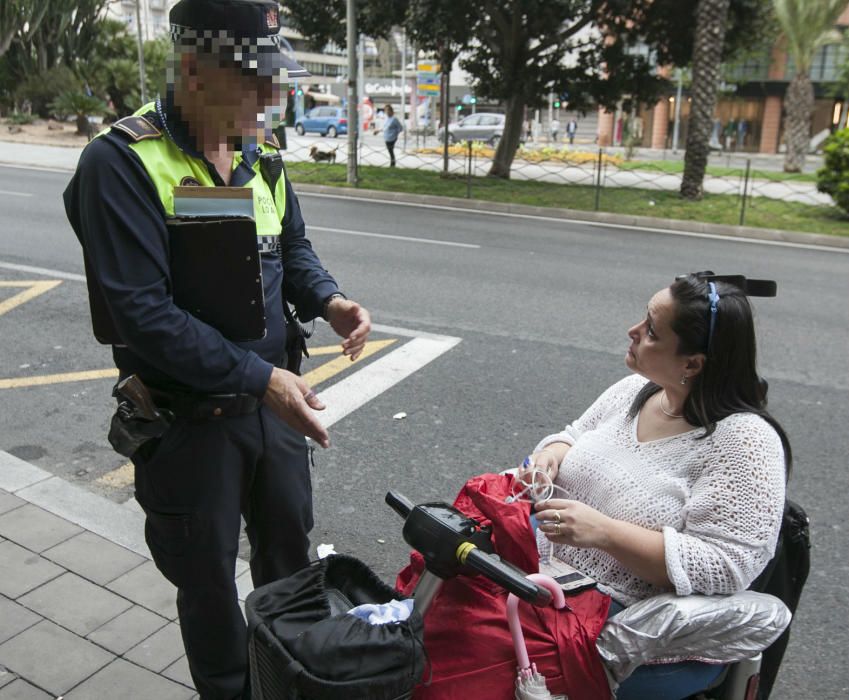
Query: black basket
304	646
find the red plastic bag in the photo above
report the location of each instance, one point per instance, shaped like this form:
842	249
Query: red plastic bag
466	635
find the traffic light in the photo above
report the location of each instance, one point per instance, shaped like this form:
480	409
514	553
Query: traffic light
474	100
459	108
557	104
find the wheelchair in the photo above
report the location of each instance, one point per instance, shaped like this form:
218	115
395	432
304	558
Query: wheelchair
440	532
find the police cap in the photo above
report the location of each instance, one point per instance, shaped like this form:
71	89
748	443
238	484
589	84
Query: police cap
247	30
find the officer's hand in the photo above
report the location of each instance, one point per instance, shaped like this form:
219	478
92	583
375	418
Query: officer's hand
350	321
291	398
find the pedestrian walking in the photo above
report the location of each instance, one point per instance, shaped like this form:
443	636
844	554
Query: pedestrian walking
571	129
228	439
554	128
391	128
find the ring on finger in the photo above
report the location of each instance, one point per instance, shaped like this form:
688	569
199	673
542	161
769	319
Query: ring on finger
557	516
557	529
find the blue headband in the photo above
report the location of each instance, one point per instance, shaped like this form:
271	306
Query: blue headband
713	298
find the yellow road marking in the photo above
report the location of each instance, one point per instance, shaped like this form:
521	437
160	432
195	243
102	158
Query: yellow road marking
319	374
325	350
118	478
43	379
32	289
328	369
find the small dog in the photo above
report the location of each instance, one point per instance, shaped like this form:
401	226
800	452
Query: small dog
319	152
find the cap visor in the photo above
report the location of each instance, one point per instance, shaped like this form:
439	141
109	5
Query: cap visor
270	62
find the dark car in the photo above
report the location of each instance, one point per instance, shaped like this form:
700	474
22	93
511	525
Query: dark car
483	126
327	121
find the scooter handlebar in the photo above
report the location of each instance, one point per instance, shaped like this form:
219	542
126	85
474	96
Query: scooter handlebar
508	577
439	528
400	504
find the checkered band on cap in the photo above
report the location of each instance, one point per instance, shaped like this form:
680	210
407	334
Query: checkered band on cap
251	52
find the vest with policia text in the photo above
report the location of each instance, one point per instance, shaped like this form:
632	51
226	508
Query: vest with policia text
169	167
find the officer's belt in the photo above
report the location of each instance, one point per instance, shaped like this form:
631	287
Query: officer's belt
204	406
267	244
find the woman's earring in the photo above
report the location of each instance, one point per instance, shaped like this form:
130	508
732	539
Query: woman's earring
683	380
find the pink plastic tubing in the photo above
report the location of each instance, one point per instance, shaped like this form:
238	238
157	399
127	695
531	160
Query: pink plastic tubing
558	600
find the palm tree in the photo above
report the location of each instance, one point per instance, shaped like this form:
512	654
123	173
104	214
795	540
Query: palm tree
81	106
711	21
806	25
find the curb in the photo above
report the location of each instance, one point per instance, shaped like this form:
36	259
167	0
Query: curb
592	218
588	217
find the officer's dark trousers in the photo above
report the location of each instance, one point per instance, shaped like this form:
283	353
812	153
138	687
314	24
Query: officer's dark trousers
193	484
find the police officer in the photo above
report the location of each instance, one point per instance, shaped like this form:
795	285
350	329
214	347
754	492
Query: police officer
236	445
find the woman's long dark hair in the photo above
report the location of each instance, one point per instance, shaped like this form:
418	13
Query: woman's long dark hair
729	382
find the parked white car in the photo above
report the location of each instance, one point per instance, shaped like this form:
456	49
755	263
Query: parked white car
483	126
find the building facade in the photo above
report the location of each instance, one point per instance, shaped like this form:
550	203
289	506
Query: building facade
749	115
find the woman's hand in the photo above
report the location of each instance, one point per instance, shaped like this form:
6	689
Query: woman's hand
544	460
573	523
547	460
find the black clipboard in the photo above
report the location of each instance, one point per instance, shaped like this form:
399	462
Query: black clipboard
216	272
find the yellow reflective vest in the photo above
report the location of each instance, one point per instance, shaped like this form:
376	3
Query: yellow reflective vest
170	167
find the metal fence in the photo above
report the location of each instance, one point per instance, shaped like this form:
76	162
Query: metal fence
571	177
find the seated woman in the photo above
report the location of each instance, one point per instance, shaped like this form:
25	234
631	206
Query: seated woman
673	480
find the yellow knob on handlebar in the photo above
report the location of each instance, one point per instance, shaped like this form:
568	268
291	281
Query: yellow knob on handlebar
463	550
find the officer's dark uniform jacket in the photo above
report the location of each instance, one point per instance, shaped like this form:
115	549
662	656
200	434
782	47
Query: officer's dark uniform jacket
117	204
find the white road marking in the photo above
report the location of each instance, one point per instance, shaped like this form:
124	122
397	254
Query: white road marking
125	525
411	239
16	194
597	224
42	271
346	396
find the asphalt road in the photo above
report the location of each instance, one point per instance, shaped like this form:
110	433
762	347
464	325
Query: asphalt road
542	308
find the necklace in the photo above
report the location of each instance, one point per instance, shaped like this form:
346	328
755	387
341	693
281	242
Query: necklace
668	413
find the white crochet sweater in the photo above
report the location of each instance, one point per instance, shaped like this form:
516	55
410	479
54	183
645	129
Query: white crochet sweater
718	501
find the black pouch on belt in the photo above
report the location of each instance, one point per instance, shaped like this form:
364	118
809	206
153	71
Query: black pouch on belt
296	340
137	419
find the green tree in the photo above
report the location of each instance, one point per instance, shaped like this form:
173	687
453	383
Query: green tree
111	69
806	25
19	18
523	50
322	22
711	22
63	34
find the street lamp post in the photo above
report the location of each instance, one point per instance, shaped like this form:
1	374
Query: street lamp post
676	128
142	79
353	126
404	85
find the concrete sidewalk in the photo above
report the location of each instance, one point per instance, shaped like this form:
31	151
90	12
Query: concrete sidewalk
39	156
84	613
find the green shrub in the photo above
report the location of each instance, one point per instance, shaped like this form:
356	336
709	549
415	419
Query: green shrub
80	105
41	89
21	118
833	177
